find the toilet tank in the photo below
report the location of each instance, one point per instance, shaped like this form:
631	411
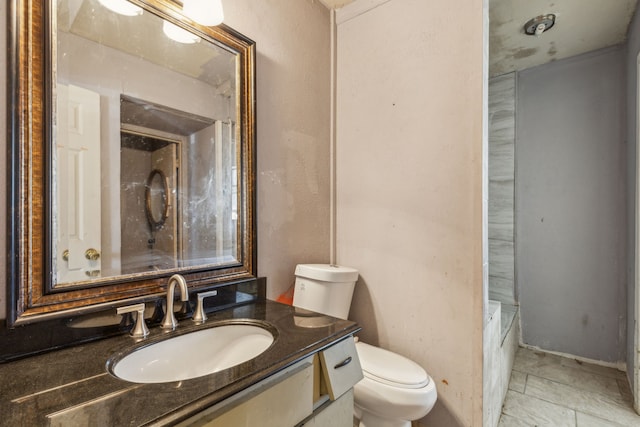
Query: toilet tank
325	288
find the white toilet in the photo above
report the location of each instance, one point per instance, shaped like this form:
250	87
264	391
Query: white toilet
395	390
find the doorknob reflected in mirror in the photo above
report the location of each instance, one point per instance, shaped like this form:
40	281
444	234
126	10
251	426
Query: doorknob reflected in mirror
92	254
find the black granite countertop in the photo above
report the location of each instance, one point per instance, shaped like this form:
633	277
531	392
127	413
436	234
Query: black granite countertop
72	386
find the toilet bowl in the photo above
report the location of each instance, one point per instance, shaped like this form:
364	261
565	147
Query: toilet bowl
395	390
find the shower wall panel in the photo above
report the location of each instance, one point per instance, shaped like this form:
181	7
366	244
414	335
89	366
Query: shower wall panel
501	187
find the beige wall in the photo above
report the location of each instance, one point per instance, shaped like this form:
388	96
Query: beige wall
293	90
293	82
409	188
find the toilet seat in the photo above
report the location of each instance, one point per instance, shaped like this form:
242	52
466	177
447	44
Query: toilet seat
389	368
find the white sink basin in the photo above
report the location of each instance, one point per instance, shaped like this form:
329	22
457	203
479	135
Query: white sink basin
194	354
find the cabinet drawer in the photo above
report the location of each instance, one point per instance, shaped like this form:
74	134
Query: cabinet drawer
340	367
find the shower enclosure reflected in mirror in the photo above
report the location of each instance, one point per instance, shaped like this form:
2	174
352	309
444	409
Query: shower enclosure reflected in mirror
153	167
184	213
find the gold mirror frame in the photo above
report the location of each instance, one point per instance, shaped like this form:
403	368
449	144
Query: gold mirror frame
31	297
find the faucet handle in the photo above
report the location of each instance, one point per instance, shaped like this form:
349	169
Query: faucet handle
200	316
140	329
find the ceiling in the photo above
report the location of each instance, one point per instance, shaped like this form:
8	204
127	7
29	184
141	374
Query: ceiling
142	37
581	26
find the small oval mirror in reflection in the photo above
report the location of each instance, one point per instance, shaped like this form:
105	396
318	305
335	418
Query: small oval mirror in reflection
157	199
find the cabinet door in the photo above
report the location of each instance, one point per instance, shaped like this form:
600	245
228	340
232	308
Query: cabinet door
341	367
338	413
279	401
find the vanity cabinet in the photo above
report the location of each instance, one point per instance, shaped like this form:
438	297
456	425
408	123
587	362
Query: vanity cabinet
315	392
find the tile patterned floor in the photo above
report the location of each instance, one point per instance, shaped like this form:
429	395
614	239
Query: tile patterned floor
549	390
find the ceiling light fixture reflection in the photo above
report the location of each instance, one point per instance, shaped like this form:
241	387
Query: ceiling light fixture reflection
123	7
204	12
178	34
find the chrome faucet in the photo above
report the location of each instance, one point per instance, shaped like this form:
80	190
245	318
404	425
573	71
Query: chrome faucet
169	321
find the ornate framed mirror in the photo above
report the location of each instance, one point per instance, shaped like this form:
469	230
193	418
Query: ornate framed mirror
99	100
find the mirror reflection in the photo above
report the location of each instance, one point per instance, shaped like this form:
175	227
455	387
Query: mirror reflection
146	163
156	193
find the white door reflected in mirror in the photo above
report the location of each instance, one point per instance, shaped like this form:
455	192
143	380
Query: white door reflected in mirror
78	184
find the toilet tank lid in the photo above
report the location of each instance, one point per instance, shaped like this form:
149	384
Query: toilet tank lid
327	272
390	368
